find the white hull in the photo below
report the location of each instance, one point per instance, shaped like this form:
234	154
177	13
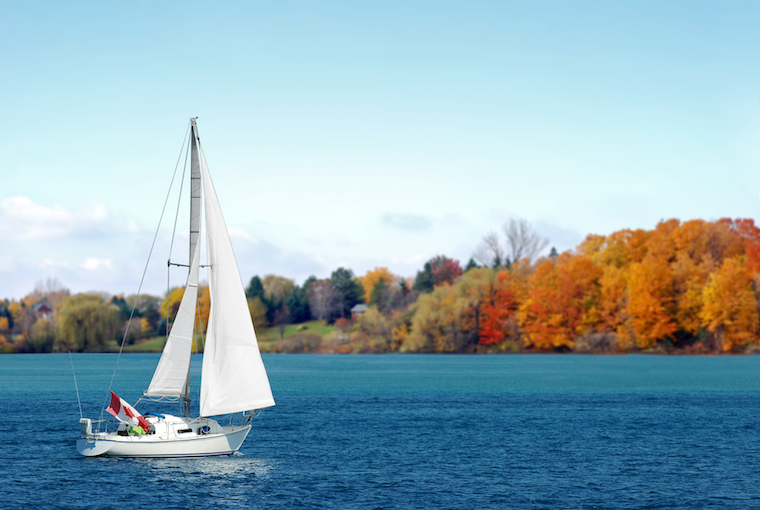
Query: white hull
112	445
167	443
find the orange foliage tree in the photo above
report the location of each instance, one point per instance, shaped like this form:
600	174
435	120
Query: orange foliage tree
730	305
497	307
561	295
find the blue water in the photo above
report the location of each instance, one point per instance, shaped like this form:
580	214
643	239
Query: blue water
410	431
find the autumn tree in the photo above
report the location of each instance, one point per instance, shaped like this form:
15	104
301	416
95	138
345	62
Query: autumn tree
372	277
258	311
497	307
557	308
277	288
445	270
437	323
471	293
749	233
22	318
730	306
86	323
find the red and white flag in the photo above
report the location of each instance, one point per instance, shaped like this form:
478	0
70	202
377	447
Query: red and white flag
123	412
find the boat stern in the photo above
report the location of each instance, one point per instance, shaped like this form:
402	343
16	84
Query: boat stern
93	447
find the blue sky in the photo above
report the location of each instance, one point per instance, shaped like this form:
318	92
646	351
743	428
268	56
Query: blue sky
365	134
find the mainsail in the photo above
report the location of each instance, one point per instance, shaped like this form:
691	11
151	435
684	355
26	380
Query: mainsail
172	374
233	377
170	378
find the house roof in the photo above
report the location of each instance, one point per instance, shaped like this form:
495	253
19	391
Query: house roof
42	308
359	308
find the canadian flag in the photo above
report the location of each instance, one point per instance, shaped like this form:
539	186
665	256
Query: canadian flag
125	413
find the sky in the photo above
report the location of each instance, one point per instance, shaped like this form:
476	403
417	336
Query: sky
364	134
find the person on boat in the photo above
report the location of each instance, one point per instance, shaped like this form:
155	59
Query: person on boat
134	428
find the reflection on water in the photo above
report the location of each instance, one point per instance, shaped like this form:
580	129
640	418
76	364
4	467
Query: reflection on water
236	466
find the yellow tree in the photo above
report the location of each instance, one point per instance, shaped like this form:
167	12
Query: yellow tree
650	301
372	277
730	306
437	323
87	323
276	287
611	307
204	307
171	303
473	293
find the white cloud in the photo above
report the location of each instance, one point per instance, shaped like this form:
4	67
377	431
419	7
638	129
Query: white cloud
20	218
407	221
240	233
96	264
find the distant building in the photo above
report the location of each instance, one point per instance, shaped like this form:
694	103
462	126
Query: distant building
42	310
358	311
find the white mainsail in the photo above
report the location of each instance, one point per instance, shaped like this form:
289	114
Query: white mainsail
233	377
170	378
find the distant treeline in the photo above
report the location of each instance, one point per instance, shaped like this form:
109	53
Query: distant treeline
683	287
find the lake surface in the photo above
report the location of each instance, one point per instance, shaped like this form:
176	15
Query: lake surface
410	431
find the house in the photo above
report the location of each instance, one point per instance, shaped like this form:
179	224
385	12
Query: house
42	310
358	311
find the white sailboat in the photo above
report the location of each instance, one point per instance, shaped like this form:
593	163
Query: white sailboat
233	378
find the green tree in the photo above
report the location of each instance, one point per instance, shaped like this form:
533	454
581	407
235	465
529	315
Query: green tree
255	288
349	292
425	280
86	323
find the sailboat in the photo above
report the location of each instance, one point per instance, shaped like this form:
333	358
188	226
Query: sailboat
233	377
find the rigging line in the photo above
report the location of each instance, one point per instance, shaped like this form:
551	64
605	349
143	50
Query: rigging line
145	270
174	231
179	199
76	386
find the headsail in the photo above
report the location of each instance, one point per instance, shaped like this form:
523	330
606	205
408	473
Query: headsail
233	378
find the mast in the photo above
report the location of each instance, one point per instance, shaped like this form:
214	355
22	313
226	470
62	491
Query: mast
195	189
172	376
195	226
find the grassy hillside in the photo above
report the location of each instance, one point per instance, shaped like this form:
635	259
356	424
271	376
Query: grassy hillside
267	337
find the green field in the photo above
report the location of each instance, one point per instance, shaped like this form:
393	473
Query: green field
266	336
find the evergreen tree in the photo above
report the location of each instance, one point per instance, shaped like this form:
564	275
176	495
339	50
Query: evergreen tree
471	264
349	292
425	280
255	288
